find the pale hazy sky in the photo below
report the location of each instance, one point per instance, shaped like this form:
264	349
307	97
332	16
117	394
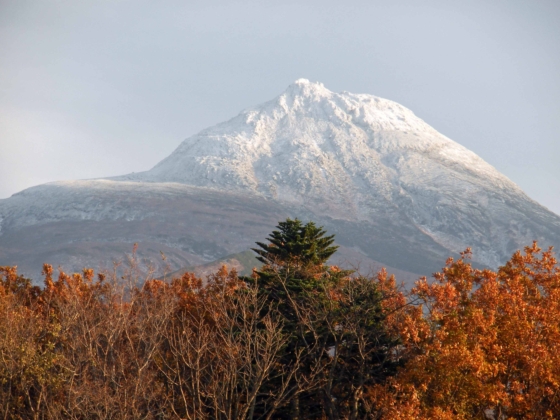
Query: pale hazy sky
100	88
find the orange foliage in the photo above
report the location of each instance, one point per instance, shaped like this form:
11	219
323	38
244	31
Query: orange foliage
85	347
482	344
470	344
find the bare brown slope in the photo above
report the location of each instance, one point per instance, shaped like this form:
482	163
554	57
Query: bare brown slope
191	226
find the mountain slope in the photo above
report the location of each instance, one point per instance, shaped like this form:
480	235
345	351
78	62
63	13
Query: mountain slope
393	189
360	157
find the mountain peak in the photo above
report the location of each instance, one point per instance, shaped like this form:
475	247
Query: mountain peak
305	99
310	141
302	81
353	154
305	88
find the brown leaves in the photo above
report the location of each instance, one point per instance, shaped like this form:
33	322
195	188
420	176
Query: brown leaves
87	347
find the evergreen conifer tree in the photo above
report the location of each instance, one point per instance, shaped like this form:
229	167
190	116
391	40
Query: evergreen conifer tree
296	243
333	324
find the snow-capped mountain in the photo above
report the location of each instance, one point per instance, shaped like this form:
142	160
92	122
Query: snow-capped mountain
384	180
311	143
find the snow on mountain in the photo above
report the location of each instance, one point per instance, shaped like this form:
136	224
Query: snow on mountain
359	163
312	143
358	157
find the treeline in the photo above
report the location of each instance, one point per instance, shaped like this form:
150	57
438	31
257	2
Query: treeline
297	340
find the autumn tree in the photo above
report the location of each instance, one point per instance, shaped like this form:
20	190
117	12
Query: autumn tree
28	373
484	344
218	350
